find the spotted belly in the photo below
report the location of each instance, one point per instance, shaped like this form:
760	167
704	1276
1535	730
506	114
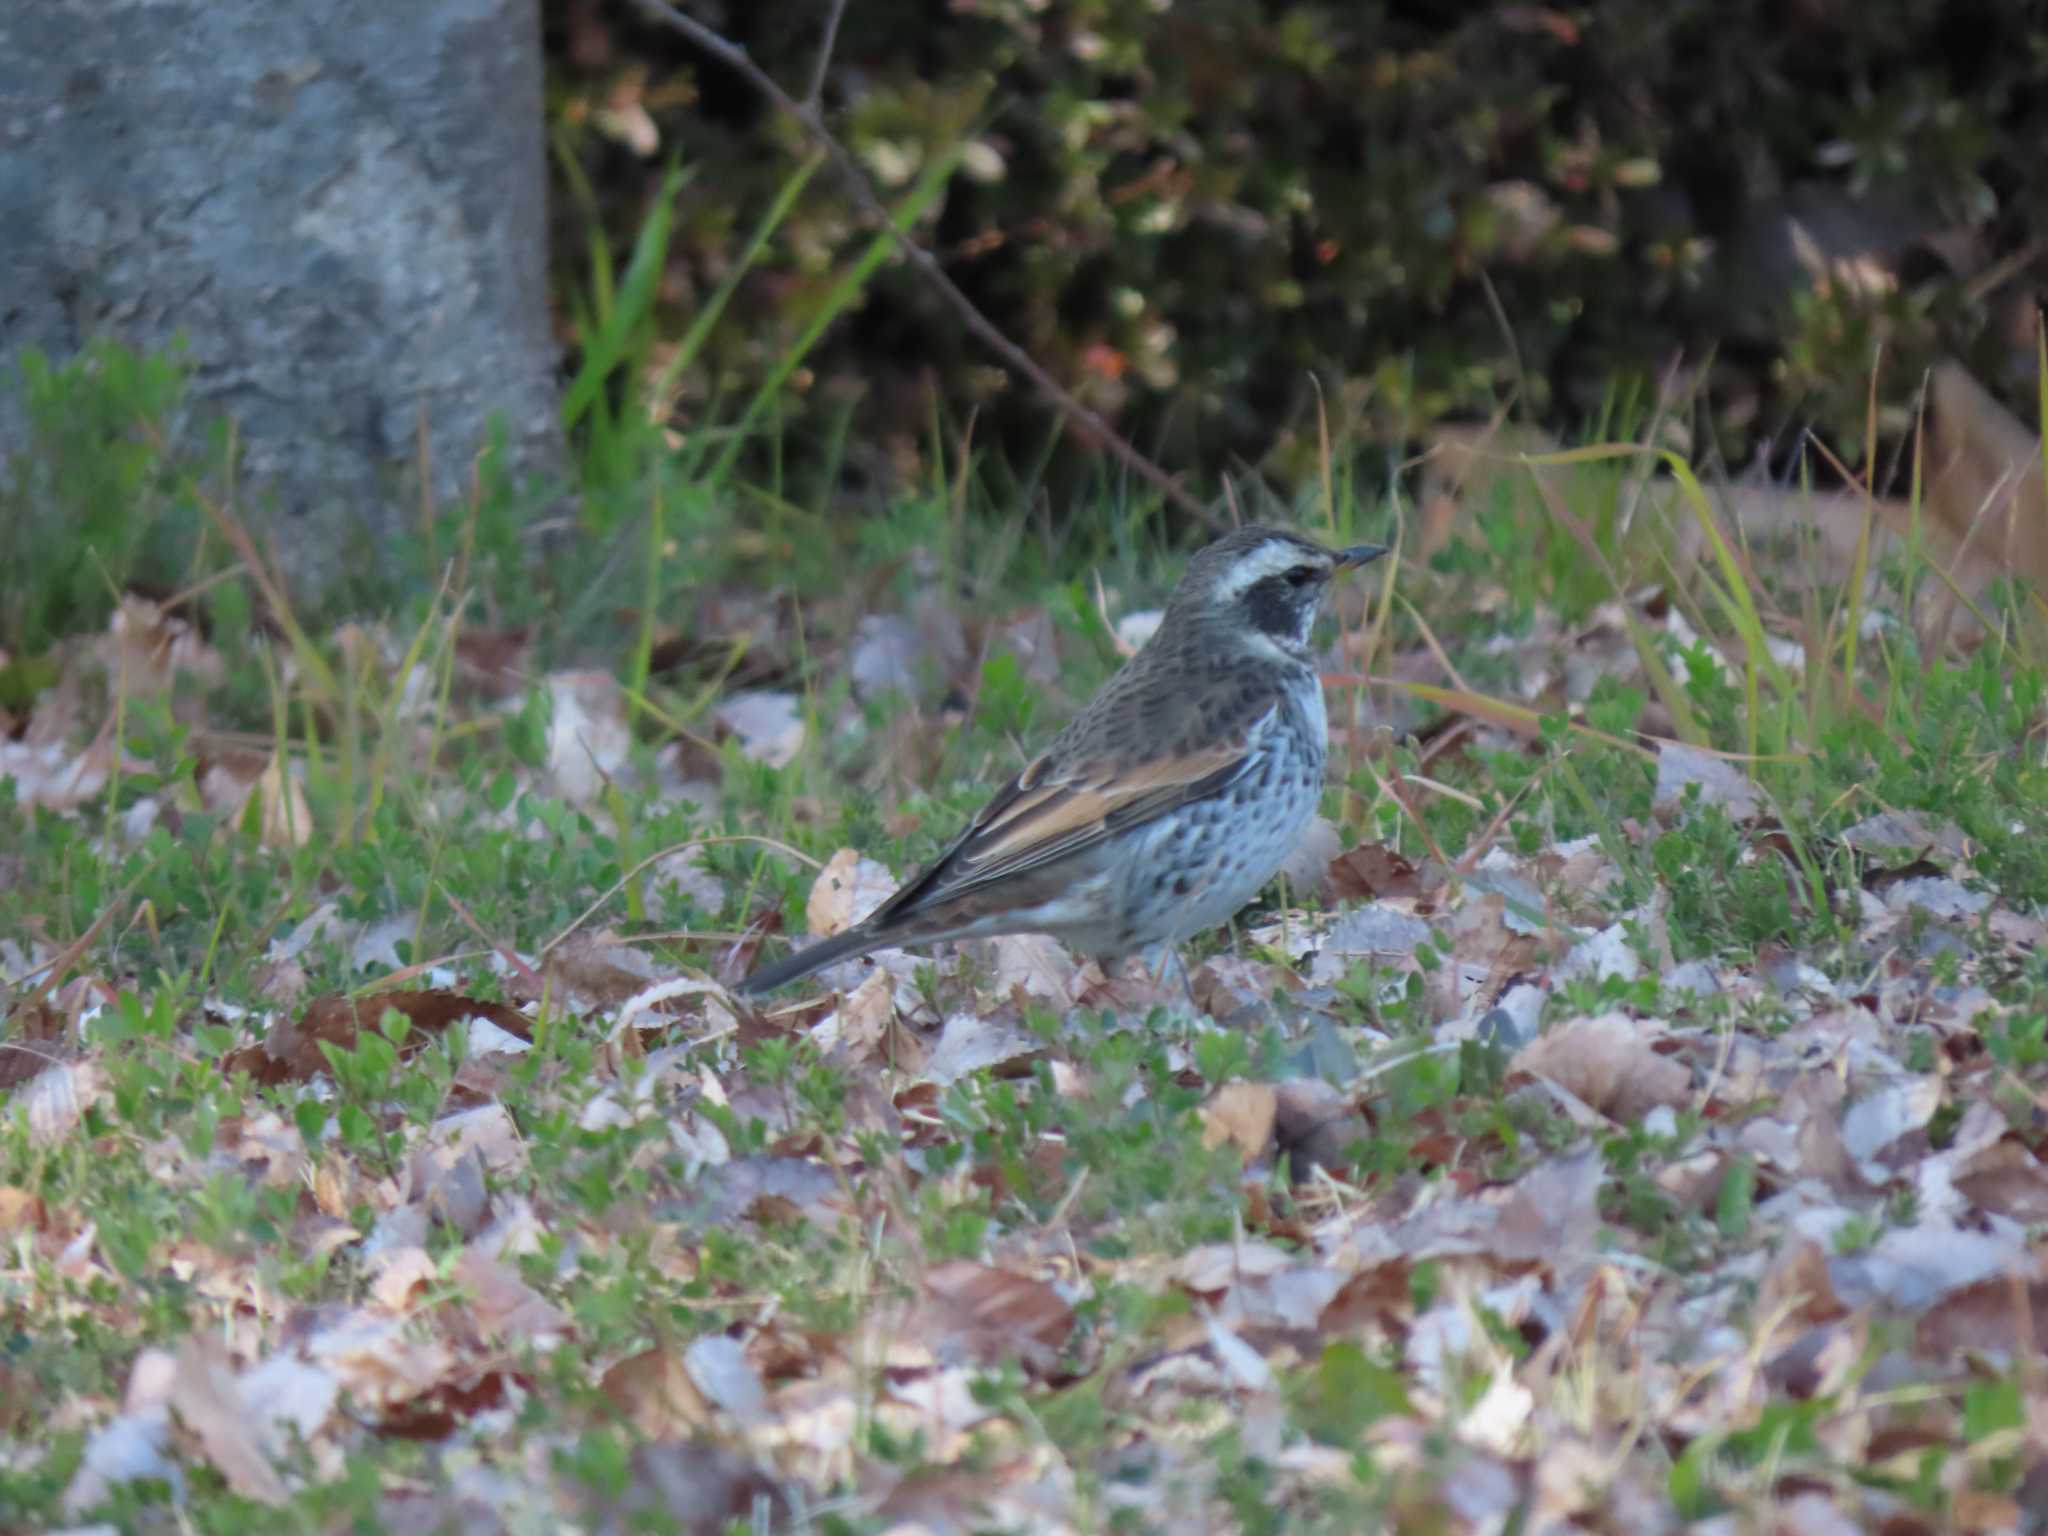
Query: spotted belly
1198	865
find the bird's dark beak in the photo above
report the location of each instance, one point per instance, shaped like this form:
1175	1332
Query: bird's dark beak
1359	554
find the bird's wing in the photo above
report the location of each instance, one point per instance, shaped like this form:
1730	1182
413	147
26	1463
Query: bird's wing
1058	806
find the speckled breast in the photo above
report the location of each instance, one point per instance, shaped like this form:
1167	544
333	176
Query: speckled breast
1197	866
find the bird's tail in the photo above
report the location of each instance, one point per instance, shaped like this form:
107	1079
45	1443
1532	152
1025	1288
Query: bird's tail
857	940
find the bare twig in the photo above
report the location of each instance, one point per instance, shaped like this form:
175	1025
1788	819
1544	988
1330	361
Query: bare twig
61	966
817	91
807	116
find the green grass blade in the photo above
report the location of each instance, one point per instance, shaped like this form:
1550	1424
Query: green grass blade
837	301
622	324
1738	602
706	317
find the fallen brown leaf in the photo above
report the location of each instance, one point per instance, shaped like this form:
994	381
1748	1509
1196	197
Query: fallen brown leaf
209	1406
1241	1114
1373	872
1688	774
848	888
1984	482
502	1305
291	1052
722	1372
2005	1177
56	1099
34	1041
494	661
971	1042
1034	965
653	1392
400	1272
1797	1286
589	739
981	1315
866	1013
596	970
768	726
20	1209
1605	1062
1996	1317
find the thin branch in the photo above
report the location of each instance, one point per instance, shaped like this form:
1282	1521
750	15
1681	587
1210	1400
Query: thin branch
817	91
736	58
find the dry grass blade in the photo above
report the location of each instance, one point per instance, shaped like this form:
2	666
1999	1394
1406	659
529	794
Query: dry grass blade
654	858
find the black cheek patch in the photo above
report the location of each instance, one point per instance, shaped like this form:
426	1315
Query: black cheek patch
1274	607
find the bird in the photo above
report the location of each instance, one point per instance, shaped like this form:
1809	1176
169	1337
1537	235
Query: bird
1168	802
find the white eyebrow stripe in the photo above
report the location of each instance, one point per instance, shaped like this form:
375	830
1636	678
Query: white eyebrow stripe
1255	565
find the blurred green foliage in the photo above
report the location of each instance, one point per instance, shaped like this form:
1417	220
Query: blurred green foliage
99	498
1199	212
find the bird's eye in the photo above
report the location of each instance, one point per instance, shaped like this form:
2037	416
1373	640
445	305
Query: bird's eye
1301	576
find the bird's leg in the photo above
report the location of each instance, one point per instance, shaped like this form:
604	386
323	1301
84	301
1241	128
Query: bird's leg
1168	953
1187	982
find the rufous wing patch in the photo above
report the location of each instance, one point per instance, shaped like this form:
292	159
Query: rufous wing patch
1046	813
1069	809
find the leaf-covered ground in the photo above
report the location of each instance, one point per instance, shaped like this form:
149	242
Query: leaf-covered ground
1629	1114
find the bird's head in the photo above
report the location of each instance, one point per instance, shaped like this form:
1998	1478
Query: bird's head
1266	583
